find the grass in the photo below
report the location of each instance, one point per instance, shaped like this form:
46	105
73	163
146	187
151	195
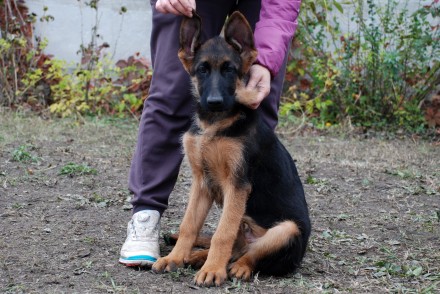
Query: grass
110	285
99	200
74	169
14	289
23	154
89	240
18	206
182	273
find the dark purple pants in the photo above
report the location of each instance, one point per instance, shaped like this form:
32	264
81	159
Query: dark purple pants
169	108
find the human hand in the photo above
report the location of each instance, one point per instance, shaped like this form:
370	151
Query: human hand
177	7
259	81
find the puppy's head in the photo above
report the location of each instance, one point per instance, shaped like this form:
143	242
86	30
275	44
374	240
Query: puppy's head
217	67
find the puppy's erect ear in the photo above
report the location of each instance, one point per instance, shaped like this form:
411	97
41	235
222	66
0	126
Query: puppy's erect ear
190	31
238	34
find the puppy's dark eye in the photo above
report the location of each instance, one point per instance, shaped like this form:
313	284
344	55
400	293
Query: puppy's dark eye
228	68
202	69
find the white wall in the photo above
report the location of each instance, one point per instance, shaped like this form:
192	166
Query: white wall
126	34
350	11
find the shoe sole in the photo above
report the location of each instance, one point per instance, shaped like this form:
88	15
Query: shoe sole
137	261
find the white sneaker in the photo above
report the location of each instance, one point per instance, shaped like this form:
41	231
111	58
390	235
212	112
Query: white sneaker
141	247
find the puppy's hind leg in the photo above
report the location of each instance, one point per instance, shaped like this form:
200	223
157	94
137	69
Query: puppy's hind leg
197	258
202	241
273	240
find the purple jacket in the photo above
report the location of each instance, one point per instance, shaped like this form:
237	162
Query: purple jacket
274	31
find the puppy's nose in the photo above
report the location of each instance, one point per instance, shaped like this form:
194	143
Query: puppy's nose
215	102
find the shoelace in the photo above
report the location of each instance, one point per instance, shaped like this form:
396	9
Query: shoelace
135	235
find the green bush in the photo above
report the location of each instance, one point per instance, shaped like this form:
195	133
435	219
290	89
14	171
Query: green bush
19	55
29	78
103	89
375	75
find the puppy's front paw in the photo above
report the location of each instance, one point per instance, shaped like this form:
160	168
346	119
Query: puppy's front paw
167	264
208	276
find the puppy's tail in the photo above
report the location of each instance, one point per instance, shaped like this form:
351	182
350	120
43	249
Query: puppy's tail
285	260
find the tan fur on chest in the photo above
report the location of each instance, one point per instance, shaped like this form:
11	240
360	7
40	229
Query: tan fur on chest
216	160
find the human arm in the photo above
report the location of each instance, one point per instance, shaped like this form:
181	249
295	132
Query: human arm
273	33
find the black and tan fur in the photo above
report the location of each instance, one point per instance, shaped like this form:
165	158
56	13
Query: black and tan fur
238	162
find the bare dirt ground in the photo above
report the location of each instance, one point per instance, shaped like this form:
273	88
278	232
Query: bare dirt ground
374	203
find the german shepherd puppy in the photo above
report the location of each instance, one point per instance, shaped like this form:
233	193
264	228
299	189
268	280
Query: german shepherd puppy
238	162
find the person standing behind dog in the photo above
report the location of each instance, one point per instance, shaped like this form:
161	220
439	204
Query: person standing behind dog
168	111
